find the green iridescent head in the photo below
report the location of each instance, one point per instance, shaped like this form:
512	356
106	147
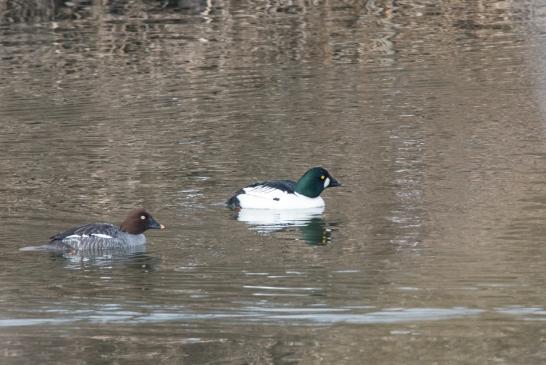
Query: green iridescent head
314	181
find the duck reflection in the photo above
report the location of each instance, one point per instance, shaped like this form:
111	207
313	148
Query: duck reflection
307	222
129	258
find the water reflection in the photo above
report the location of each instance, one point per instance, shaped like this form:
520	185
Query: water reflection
303	316
432	111
113	313
133	259
311	227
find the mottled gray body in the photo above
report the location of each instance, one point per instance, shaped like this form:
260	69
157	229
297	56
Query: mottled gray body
98	236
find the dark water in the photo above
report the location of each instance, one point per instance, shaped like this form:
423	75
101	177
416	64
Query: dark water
431	113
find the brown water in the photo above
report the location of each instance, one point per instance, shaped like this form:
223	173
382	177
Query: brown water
432	114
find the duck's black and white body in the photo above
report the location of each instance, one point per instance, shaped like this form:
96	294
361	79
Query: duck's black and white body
285	194
103	236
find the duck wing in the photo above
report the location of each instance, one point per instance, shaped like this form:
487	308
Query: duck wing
87	230
286	186
264	190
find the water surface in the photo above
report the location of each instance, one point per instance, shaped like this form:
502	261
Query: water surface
431	114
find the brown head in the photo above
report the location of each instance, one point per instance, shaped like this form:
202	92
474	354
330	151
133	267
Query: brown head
138	221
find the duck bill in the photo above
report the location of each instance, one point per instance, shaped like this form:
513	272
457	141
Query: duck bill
153	224
333	183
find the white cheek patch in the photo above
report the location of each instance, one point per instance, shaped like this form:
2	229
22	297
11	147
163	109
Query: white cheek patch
326	182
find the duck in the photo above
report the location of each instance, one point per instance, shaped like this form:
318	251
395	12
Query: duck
285	194
103	236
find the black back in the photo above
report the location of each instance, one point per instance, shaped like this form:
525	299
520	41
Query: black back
87	229
283	185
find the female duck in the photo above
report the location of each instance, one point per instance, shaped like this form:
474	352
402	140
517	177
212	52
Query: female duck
103	236
285	194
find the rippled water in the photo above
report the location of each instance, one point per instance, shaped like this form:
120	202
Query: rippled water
432	115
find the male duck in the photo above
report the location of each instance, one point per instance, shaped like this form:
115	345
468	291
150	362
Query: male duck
103	236
285	194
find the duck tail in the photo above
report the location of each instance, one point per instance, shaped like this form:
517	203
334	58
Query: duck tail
49	247
233	202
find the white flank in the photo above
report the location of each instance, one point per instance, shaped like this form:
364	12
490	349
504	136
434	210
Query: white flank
264	197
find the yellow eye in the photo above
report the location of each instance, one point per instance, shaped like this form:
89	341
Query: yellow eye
322	177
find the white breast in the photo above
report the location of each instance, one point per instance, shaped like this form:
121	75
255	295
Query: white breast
263	197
